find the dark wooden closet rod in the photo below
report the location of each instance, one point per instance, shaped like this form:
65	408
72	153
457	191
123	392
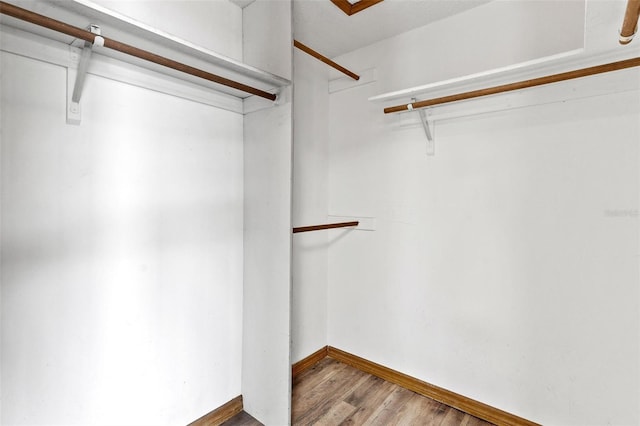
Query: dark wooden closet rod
52	24
630	22
555	78
327	226
324	59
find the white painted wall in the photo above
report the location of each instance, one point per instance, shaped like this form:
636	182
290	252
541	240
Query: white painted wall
310	198
121	253
213	24
497	34
266	367
504	268
497	270
266	364
122	242
267	33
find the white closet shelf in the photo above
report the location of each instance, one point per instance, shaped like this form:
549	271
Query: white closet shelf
81	13
563	62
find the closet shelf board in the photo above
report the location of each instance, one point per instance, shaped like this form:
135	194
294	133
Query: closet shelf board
81	13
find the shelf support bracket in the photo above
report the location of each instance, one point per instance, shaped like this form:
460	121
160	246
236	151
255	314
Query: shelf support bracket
431	145
75	79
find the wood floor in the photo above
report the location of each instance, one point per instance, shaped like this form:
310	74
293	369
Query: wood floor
332	393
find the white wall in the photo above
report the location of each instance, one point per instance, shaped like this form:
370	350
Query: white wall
214	24
310	197
505	267
496	270
439	60
497	34
266	364
266	367
122	251
267	33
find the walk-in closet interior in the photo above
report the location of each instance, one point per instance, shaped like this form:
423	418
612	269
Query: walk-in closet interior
201	199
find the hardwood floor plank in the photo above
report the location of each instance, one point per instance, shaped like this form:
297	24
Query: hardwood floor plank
421	411
332	393
315	380
242	419
473	421
429	390
365	391
314	371
336	414
317	374
453	417
387	413
336	389
368	397
310	393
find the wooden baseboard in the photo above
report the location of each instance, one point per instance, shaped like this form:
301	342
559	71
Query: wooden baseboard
221	414
462	403
308	362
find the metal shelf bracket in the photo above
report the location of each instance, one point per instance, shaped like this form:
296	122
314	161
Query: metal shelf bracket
431	145
75	78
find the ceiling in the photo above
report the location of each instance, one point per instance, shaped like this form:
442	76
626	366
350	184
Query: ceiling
322	26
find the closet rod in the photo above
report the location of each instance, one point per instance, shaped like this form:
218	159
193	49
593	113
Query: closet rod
630	22
52	24
327	226
324	59
555	78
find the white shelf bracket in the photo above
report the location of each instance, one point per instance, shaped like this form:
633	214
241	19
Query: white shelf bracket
431	145
75	78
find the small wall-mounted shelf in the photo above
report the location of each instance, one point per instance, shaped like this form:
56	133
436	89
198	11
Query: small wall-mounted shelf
478	93
466	82
519	85
564	62
81	13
